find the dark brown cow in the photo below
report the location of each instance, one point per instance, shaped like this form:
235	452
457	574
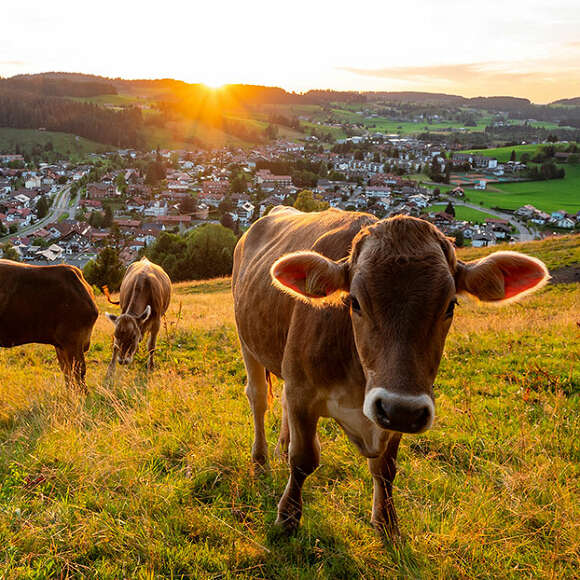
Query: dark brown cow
49	305
144	297
353	313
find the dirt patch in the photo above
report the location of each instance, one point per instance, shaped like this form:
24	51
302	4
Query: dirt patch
565	275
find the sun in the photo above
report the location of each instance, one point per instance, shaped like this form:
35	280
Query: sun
215	85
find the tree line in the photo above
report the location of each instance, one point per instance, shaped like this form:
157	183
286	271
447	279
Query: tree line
22	110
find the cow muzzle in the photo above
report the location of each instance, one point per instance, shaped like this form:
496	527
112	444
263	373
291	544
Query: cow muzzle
397	412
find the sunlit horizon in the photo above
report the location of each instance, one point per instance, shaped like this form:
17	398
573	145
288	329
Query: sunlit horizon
526	48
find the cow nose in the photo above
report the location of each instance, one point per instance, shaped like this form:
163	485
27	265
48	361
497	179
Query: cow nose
403	413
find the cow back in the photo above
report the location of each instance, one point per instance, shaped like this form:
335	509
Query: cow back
44	304
265	315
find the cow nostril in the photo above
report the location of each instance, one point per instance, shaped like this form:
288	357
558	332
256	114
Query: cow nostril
421	418
382	412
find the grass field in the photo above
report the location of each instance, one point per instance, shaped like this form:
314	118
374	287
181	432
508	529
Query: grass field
548	195
463	213
150	478
503	154
64	143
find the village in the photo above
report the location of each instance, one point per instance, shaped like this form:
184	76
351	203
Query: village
65	212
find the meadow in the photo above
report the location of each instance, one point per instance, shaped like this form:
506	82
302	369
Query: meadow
550	195
65	143
150	477
463	213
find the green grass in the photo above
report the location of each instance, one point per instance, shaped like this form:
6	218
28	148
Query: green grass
118	100
503	154
151	478
64	143
555	252
551	195
463	213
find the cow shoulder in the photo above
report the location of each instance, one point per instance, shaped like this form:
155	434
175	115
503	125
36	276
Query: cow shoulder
337	241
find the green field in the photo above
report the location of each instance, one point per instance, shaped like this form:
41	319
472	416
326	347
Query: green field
463	213
503	154
64	143
549	196
119	100
151	477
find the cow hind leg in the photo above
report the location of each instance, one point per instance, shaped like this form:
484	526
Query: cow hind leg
304	458
383	470
284	437
257	393
152	344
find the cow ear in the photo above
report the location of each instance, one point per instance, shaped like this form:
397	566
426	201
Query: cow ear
310	276
501	277
145	314
111	317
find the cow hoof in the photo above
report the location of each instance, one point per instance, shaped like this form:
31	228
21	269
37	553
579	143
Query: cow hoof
287	526
281	451
260	465
389	534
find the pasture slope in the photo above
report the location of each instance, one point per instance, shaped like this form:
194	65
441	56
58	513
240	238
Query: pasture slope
150	478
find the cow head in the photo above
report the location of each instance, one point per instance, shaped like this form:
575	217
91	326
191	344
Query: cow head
400	284
128	333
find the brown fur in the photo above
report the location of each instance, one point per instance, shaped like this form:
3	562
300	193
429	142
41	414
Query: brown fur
402	276
145	286
49	305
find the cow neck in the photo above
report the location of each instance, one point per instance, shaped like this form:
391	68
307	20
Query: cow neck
133	308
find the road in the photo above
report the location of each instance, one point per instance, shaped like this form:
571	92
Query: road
60	206
524	234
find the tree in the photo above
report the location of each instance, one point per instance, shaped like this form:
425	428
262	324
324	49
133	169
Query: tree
9	252
187	204
107	269
450	209
42	207
307	201
513	155
228	221
205	252
107	217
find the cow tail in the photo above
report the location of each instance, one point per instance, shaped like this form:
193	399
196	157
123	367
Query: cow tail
105	290
270	391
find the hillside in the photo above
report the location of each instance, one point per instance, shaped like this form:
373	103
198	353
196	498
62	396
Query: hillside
151	477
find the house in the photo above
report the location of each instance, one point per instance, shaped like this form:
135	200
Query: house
265	178
566	223
101	191
245	212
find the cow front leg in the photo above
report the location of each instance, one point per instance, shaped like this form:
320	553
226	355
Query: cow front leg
383	469
79	370
304	458
112	364
257	393
154	331
65	365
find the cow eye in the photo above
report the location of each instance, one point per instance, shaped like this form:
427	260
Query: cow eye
354	304
451	308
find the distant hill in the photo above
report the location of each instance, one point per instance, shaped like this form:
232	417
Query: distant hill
417	97
574	102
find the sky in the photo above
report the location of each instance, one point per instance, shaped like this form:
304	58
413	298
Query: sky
522	48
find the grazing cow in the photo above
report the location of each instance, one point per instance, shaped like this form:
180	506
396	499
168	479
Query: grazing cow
49	305
352	313
144	299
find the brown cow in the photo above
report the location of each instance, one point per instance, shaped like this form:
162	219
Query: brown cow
144	298
49	305
352	313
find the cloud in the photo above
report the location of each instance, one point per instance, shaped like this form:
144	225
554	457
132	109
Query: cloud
540	80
